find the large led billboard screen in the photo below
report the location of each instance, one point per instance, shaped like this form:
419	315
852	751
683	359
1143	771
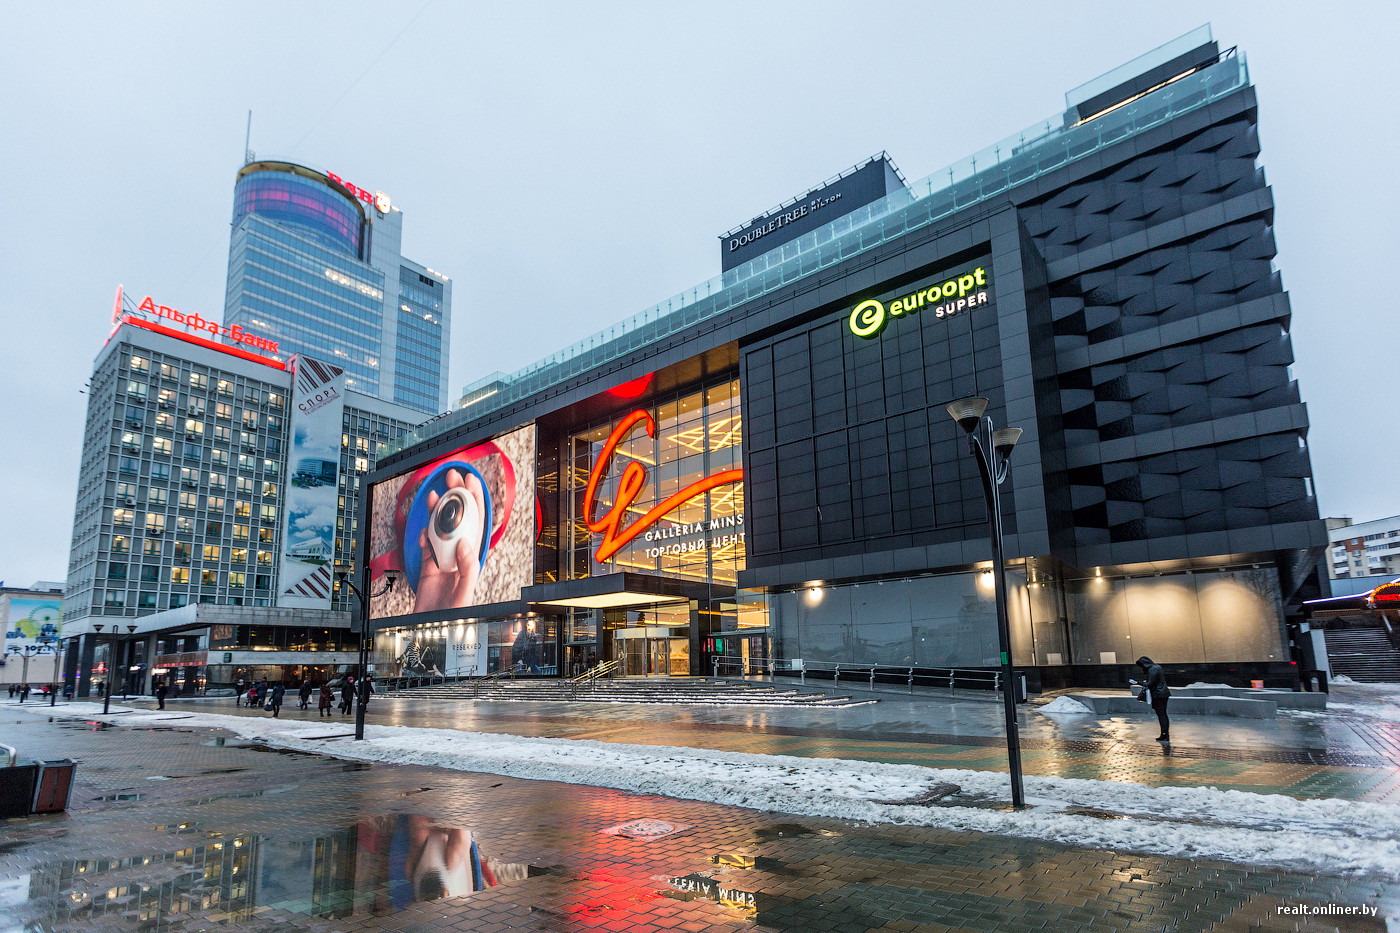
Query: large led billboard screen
461	528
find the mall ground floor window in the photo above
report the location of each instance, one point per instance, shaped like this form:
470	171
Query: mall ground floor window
527	646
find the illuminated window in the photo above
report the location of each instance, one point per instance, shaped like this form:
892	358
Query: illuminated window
139	364
189	500
155	523
264	559
199	381
209	577
245	486
211	552
267	535
121	516
270	490
184	523
157	497
151	547
274	399
165	421
240	532
167	398
239	555
121	544
269	514
218	481
225	387
194	427
243	510
236	580
162	445
250	420
215	503
223	410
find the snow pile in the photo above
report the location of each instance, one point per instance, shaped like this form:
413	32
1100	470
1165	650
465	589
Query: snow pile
1065	706
1178	821
1344	680
1199	684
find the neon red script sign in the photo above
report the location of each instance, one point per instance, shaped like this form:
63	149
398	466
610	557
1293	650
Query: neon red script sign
634	477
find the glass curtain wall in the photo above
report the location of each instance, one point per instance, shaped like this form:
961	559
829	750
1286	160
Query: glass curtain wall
697	435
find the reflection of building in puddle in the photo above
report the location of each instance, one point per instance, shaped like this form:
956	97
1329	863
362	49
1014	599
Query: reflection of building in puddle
726	895
379	865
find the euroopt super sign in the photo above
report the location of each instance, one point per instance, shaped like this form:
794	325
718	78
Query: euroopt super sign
944	299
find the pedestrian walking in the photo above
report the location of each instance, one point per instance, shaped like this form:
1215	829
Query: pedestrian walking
366	691
1155	691
305	694
327	698
239	689
252	695
275	701
12	691
23	692
161	693
347	696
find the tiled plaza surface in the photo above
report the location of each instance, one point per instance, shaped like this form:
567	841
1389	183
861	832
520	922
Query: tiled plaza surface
1340	754
184	830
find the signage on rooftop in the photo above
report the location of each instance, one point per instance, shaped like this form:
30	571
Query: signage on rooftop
158	317
852	189
376	199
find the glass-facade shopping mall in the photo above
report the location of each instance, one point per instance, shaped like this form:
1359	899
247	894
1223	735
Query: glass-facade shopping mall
761	467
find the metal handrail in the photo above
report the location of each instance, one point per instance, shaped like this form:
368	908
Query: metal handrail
12	753
606	669
492	679
938	676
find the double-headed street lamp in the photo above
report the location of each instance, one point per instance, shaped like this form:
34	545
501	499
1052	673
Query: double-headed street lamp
992	448
343	574
117	639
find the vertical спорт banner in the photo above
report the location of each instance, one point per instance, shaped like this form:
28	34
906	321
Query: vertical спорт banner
308	533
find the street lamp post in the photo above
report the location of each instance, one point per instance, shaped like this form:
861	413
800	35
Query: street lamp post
343	574
992	448
117	640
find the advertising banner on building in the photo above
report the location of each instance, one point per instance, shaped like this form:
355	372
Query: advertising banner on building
461	528
313	462
33	626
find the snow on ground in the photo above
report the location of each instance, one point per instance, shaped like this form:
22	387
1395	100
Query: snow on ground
1065	706
1330	835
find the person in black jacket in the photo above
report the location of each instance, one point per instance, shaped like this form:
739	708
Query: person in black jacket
275	700
1155	691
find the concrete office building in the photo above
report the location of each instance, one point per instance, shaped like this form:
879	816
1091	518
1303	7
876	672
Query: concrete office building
315	263
196	496
761	467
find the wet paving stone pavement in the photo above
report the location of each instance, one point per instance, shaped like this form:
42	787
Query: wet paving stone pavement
175	829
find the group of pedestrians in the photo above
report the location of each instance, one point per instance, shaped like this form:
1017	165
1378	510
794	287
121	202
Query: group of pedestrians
23	691
271	696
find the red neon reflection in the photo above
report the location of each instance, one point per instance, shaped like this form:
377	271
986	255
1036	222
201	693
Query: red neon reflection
634	477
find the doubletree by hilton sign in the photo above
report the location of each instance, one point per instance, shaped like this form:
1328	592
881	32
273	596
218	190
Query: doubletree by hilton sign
945	299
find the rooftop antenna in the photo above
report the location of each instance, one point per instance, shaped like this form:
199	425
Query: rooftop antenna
248	154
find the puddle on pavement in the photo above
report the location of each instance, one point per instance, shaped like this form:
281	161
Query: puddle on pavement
82	725
378	866
1094	812
787	831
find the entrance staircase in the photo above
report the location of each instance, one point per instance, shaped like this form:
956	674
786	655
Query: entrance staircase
688	691
1363	654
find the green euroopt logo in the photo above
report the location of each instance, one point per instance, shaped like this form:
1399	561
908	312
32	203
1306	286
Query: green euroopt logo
960	293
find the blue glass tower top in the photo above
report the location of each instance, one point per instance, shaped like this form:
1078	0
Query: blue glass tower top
315	263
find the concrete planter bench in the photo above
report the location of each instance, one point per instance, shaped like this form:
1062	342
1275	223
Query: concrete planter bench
1121	705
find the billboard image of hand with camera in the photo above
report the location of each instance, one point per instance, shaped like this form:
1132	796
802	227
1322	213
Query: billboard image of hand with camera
461	529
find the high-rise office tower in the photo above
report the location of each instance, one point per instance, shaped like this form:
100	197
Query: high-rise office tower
314	261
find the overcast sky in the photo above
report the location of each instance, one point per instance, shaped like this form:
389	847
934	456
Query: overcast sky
570	164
